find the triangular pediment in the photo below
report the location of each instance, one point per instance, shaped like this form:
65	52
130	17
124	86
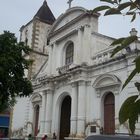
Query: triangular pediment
68	16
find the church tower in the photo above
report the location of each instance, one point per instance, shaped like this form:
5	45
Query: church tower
34	34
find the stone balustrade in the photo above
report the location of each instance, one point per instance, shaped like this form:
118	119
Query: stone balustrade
105	56
63	69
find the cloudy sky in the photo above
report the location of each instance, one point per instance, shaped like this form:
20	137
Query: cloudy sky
15	13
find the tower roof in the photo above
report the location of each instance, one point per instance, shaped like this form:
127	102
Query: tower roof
45	14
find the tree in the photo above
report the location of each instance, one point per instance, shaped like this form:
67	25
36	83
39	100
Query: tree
130	110
13	82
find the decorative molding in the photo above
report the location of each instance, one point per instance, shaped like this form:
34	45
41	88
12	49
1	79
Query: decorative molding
61	17
101	91
36	97
81	118
73	118
81	28
63	69
61	84
81	83
87	25
98	92
107	83
88	83
74	84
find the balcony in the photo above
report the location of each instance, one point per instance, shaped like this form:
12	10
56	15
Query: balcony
63	69
104	56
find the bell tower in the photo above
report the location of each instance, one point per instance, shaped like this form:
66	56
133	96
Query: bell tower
35	34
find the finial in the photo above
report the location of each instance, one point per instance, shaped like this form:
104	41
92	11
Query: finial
133	32
45	1
69	2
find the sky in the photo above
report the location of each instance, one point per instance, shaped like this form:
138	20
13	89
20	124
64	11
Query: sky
15	13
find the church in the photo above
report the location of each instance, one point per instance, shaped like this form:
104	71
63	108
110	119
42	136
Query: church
77	85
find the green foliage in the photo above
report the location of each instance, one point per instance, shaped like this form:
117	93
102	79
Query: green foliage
120	7
129	8
130	111
130	77
101	8
12	65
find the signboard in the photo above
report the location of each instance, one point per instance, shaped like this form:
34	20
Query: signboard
4	121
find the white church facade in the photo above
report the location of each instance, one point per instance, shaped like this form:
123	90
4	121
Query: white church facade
77	85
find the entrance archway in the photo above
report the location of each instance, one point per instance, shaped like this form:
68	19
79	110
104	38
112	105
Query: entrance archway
36	120
65	118
109	114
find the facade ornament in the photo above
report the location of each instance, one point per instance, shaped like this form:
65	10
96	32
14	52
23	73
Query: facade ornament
107	83
87	25
74	84
98	93
69	2
88	83
81	83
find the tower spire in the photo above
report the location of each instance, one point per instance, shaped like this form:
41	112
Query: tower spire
45	14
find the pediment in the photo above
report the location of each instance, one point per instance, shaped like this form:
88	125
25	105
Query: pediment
106	80
36	97
68	16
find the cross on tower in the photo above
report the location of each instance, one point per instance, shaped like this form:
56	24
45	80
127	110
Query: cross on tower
69	2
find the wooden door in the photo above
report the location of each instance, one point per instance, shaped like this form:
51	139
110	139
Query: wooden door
109	114
36	120
65	118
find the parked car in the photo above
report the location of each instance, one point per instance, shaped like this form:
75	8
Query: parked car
112	137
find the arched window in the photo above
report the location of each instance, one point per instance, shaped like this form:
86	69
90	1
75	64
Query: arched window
69	54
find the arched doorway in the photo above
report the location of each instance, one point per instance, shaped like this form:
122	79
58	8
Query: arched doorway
65	118
36	120
109	114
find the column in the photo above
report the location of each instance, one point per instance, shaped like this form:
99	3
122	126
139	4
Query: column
48	119
74	109
43	113
81	109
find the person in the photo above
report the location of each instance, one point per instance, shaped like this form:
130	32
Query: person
101	130
29	137
54	135
1	134
45	137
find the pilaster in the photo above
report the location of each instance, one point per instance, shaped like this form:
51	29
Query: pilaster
86	43
78	50
48	119
81	109
43	107
50	58
53	63
74	109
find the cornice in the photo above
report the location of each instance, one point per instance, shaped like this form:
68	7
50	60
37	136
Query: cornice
44	81
67	35
77	19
